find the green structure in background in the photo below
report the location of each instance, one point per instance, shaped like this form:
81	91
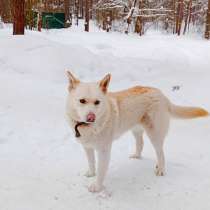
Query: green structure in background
53	20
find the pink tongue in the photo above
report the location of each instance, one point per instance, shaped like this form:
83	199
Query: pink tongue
91	117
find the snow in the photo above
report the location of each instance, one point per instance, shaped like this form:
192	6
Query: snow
41	164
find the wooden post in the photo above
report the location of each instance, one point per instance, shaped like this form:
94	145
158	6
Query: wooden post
18	17
207	31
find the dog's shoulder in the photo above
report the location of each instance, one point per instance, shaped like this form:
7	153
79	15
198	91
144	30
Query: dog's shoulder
130	92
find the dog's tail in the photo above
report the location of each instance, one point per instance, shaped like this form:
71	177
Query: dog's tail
187	112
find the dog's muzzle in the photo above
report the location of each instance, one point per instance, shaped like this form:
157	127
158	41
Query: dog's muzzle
91	117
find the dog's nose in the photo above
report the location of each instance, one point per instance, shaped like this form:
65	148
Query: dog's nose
91	117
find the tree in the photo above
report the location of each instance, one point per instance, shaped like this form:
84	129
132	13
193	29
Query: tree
179	16
207	32
1	8
67	8
187	16
139	20
29	16
87	15
130	15
6	10
18	17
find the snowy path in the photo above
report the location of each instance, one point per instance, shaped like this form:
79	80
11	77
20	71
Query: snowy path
42	166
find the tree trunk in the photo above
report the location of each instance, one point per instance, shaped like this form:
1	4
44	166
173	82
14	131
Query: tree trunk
6	11
187	18
82	9
18	17
87	15
174	16
139	22
67	7
179	16
29	22
207	32
39	22
1	8
77	11
129	18
138	26
91	9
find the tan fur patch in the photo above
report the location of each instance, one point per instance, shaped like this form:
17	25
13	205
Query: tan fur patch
134	91
73	82
199	112
188	112
146	121
105	82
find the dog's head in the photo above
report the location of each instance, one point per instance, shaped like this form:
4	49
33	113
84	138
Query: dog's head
87	101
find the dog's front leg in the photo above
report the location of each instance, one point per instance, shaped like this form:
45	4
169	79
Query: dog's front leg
103	163
90	153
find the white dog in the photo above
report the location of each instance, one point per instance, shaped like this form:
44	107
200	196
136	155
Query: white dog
99	117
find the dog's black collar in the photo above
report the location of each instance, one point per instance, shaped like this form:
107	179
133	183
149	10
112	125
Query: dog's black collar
77	133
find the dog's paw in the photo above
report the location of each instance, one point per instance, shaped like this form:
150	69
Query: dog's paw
159	171
94	187
90	173
135	156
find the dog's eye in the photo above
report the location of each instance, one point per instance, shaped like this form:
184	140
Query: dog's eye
82	101
97	102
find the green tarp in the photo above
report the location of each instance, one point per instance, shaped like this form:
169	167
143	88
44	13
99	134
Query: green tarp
53	20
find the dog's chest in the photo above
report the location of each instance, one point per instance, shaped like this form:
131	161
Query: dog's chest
93	138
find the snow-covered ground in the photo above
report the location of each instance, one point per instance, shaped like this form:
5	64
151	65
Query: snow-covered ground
41	164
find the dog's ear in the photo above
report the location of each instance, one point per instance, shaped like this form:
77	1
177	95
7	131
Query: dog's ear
73	81
104	83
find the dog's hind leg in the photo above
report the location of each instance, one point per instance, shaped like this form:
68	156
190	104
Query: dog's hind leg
138	134
156	128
